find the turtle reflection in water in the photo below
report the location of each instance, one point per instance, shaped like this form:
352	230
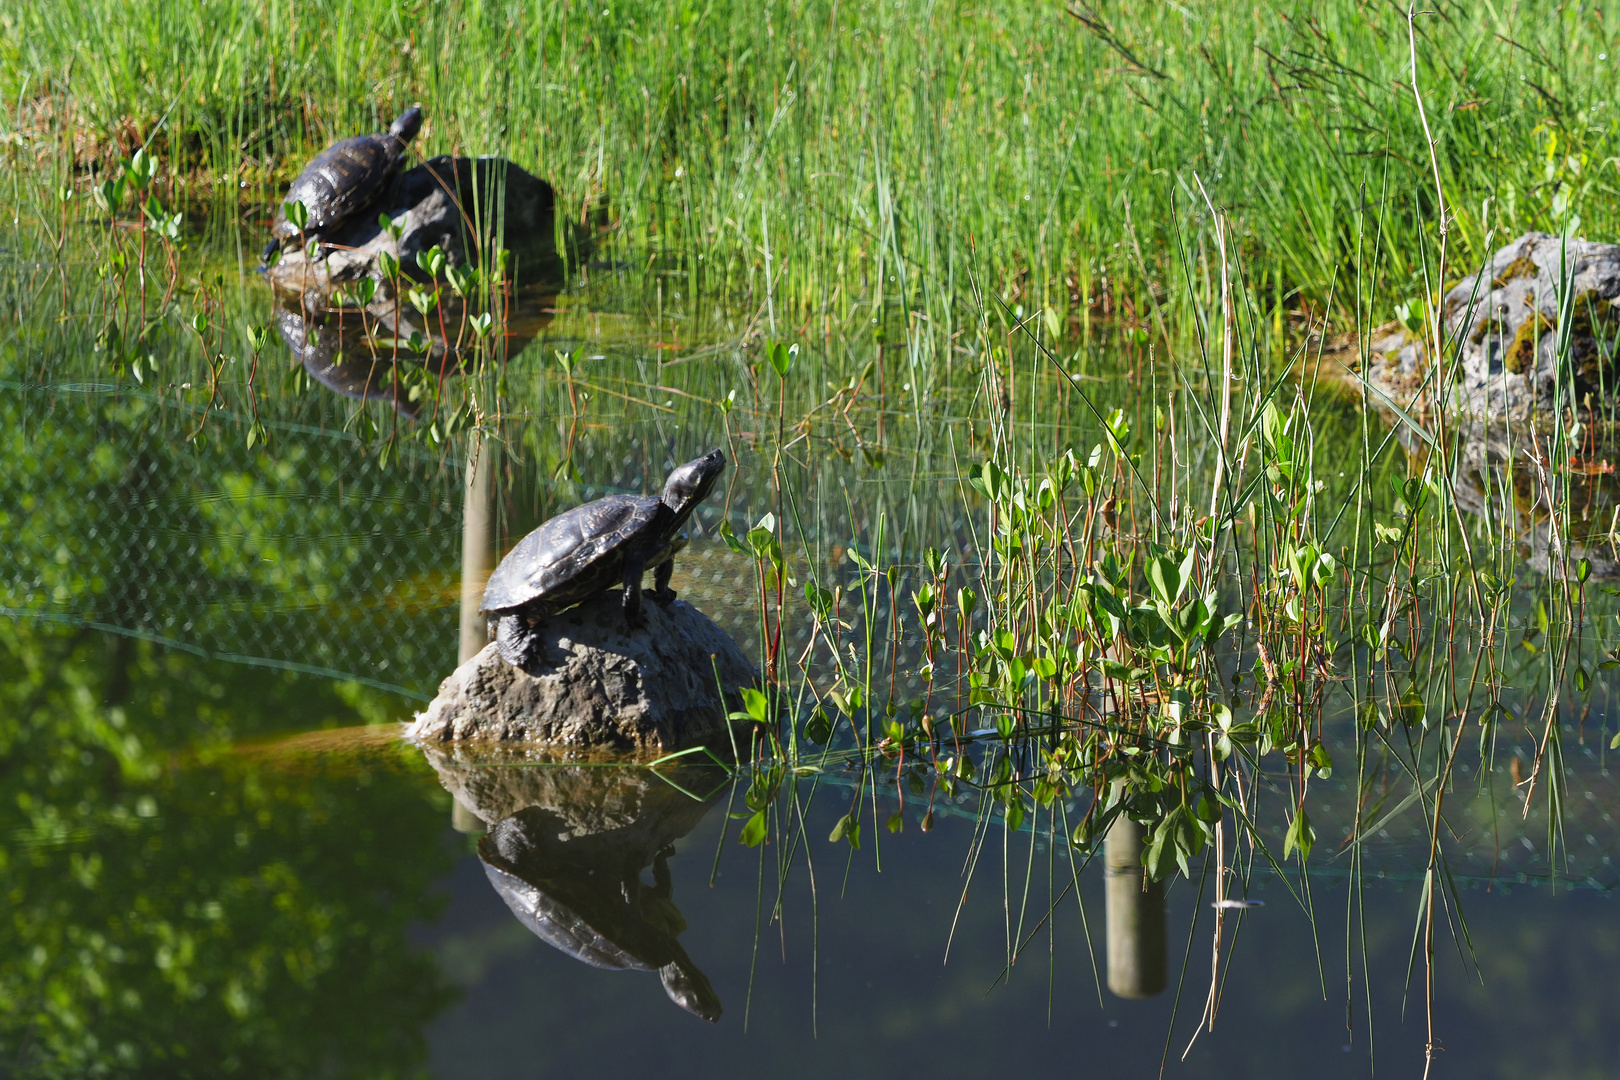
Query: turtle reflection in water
570	841
589	900
359	352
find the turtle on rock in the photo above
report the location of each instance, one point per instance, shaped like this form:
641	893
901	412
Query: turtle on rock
583	552
342	180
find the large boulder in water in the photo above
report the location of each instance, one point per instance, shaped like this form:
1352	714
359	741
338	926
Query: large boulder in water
1507	319
598	683
463	206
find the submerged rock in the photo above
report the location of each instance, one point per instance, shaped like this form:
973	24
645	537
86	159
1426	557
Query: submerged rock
463	206
597	683
1507	319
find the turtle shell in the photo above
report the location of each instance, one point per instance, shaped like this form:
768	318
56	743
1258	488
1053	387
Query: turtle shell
342	179
584	897
557	924
573	556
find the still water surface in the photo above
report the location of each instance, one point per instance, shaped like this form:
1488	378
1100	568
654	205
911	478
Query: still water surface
220	858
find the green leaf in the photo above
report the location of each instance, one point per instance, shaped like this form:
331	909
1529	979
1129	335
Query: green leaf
1300	835
753	833
423	300
1124	673
1411	707
297	214
757	704
142	169
731	538
818	729
820	600
781	357
1165	579
431	261
762	540
848	828
1015	812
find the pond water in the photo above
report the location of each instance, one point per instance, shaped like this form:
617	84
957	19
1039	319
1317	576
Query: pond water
220	857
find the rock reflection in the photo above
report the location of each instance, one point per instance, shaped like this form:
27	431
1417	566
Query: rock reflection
365	353
567	848
1511	479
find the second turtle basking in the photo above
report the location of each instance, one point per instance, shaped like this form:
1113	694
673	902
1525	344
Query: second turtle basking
583	552
342	180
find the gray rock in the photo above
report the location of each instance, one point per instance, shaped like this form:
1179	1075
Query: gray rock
1506	317
460	205
599	684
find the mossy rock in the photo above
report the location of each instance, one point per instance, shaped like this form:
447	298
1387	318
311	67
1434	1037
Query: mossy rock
1521	355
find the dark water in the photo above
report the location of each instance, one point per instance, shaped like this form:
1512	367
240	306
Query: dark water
308	908
219	858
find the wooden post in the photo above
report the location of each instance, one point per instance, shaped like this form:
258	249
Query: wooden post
477	544
477	560
1136	921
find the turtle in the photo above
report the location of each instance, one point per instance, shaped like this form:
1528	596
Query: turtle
342	179
590	549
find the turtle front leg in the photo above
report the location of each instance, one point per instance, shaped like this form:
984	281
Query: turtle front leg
661	590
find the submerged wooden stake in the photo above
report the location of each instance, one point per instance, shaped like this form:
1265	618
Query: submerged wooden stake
1136	921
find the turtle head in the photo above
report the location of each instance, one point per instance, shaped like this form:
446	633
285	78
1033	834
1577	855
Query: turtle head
408	124
690	989
691	483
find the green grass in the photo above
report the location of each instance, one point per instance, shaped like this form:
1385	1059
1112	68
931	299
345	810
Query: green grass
868	153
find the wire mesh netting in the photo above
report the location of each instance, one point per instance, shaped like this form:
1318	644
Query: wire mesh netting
313	559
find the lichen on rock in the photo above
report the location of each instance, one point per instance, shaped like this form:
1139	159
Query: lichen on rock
1505	325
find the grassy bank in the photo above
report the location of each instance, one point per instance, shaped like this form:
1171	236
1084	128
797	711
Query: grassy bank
882	152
